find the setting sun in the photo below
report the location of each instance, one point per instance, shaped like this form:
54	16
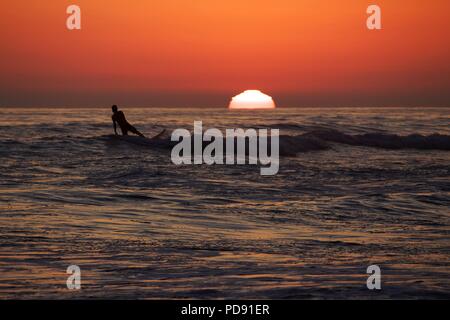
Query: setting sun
252	99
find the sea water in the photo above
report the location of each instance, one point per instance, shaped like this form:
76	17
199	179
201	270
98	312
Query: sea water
356	187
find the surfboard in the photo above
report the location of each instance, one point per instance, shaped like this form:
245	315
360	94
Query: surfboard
153	142
158	135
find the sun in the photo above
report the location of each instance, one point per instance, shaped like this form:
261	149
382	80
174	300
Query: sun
252	99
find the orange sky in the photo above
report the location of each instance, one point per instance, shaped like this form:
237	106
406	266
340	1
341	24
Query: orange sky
203	52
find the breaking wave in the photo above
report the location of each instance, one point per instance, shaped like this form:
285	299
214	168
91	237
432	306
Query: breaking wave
385	141
290	145
317	140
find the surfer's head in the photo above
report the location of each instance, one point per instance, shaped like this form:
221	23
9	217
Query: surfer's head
114	108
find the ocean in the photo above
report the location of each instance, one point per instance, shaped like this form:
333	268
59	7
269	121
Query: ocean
356	187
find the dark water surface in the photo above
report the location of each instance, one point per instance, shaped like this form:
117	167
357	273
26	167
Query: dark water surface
378	192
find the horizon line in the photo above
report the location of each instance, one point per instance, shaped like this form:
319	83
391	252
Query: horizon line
215	107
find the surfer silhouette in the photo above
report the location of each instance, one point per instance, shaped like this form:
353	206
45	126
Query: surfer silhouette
118	117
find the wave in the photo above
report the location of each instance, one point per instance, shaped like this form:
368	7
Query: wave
290	145
163	143
384	141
